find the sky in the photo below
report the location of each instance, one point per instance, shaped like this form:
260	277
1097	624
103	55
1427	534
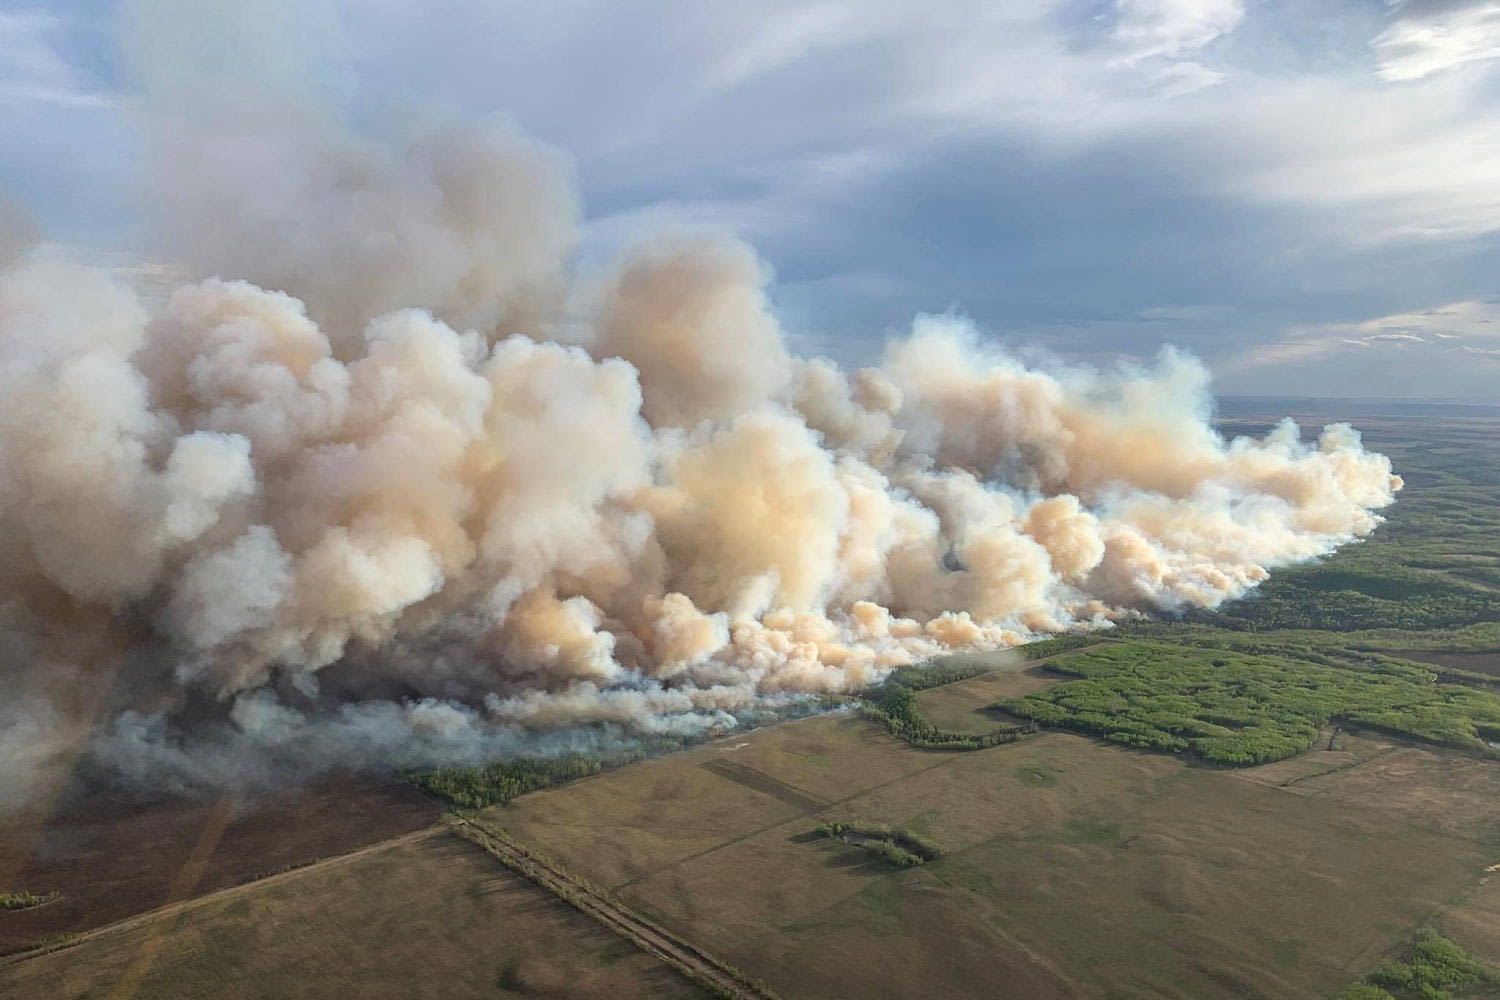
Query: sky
1303	193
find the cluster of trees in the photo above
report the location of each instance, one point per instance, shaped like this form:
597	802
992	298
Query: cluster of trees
24	900
895	708
481	785
1294	604
1431	968
935	673
1234	708
491	784
1062	644
1374	650
898	848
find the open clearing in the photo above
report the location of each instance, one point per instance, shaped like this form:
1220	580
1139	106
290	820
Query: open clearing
962	707
1072	868
110	858
427	916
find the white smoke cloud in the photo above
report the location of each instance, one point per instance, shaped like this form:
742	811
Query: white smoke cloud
388	502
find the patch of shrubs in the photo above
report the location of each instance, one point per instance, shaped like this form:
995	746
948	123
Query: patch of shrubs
1430	968
24	900
897	848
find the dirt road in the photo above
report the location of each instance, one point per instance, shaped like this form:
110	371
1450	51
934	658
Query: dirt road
648	936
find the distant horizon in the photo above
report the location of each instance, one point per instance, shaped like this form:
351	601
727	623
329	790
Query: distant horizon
1472	403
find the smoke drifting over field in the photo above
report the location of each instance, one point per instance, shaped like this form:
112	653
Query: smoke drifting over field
394	487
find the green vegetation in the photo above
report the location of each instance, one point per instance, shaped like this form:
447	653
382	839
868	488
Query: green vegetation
895	708
497	783
480	785
1061	644
897	848
54	942
936	673
491	784
1363	649
24	900
1431	967
1434	564
1234	708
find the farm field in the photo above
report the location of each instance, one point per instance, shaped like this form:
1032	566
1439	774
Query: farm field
1071	868
428	915
111	858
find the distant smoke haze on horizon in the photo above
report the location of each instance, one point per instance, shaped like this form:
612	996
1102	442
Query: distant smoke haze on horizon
385	482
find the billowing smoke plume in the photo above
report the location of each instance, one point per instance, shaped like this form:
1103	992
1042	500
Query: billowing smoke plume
415	495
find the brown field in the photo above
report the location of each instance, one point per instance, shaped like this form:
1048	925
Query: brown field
1073	868
1348	750
1483	663
961	707
1446	792
1475	921
427	916
111	858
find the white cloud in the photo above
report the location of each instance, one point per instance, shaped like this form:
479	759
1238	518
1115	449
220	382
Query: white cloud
1425	351
1412	164
1180	78
1149	28
777	41
1467	321
1422	41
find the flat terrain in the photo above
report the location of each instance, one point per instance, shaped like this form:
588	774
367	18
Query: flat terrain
111	858
964	706
428	916
1475	922
1073	868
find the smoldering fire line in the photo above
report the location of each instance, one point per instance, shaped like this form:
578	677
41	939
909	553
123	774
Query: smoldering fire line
507	503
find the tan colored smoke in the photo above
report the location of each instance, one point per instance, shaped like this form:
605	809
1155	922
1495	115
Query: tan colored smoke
489	520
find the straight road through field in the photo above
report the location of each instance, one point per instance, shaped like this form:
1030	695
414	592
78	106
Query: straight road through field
646	935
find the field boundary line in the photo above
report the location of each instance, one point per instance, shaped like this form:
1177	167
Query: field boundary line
171	910
693	962
765	784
